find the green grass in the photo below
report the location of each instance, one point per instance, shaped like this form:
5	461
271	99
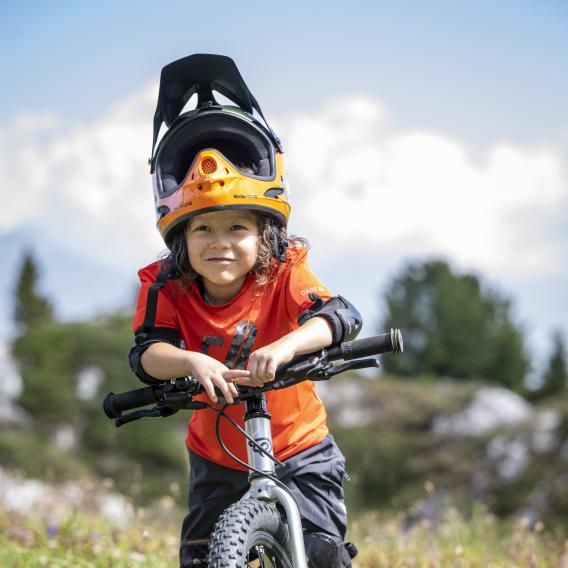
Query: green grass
84	539
483	541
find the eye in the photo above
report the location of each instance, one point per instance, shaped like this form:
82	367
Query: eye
237	227
200	228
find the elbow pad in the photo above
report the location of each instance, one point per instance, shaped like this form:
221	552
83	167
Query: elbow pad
143	341
342	315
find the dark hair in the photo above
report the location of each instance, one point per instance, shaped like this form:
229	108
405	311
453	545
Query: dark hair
265	268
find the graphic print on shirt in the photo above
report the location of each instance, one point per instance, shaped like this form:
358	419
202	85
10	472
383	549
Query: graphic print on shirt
210	340
241	345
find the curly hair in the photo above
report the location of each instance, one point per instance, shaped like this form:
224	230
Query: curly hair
265	269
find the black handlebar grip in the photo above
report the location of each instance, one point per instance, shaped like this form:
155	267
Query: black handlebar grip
114	404
384	343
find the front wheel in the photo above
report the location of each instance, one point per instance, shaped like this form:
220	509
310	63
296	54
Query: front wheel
250	533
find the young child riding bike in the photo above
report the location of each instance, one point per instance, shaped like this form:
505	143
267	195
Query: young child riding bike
234	299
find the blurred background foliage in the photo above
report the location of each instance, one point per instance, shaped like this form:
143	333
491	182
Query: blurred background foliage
66	370
454	327
450	421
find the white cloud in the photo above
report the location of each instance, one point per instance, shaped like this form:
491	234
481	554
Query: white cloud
354	184
86	187
29	124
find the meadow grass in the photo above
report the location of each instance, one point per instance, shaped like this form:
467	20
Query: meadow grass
482	541
84	539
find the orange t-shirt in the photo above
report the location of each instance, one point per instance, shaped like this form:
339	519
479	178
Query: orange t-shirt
229	333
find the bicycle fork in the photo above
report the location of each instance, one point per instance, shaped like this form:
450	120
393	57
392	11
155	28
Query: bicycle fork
257	426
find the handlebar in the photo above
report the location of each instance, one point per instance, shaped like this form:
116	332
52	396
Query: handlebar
384	343
115	404
171	396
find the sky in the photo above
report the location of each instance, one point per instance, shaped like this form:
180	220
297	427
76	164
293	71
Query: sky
412	130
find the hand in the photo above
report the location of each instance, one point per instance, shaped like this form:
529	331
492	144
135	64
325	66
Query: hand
262	363
211	373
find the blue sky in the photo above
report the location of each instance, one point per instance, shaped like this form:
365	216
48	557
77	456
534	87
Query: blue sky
479	85
478	70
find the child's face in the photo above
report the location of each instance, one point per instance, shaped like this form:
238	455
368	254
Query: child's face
222	248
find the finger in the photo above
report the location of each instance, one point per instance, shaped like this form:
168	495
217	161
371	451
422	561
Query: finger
257	369
255	374
223	386
246	382
233	390
271	370
249	381
260	368
209	389
252	365
255	380
263	371
233	374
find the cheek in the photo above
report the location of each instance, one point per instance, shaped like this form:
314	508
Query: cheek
252	250
193	250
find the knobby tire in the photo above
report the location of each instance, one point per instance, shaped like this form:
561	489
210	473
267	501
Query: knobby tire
250	533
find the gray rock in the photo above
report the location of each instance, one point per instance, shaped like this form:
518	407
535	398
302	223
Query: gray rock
511	456
489	409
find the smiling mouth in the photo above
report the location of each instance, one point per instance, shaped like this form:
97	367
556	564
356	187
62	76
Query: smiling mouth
220	260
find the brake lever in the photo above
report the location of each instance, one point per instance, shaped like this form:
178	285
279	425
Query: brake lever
304	367
137	414
164	409
365	363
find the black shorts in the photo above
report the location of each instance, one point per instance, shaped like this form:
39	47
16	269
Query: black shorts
315	477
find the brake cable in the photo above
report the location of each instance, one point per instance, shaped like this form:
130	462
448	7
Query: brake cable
221	413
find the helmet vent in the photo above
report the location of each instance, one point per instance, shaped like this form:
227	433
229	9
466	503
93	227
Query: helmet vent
208	165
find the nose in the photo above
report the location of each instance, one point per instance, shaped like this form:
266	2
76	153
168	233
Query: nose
219	240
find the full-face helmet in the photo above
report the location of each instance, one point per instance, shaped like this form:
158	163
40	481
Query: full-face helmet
213	157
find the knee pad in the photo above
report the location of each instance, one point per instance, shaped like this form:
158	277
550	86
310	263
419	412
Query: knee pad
327	551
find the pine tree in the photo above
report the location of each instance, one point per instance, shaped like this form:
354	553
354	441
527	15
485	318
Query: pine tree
31	308
455	326
555	378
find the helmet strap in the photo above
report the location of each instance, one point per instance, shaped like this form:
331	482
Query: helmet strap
279	245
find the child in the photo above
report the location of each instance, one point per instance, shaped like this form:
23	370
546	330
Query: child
234	299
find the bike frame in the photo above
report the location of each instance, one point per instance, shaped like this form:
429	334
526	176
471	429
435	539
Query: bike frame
257	426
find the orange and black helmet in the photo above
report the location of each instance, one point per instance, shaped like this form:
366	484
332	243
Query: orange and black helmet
214	156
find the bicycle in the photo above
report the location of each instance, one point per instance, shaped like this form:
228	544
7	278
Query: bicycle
254	528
